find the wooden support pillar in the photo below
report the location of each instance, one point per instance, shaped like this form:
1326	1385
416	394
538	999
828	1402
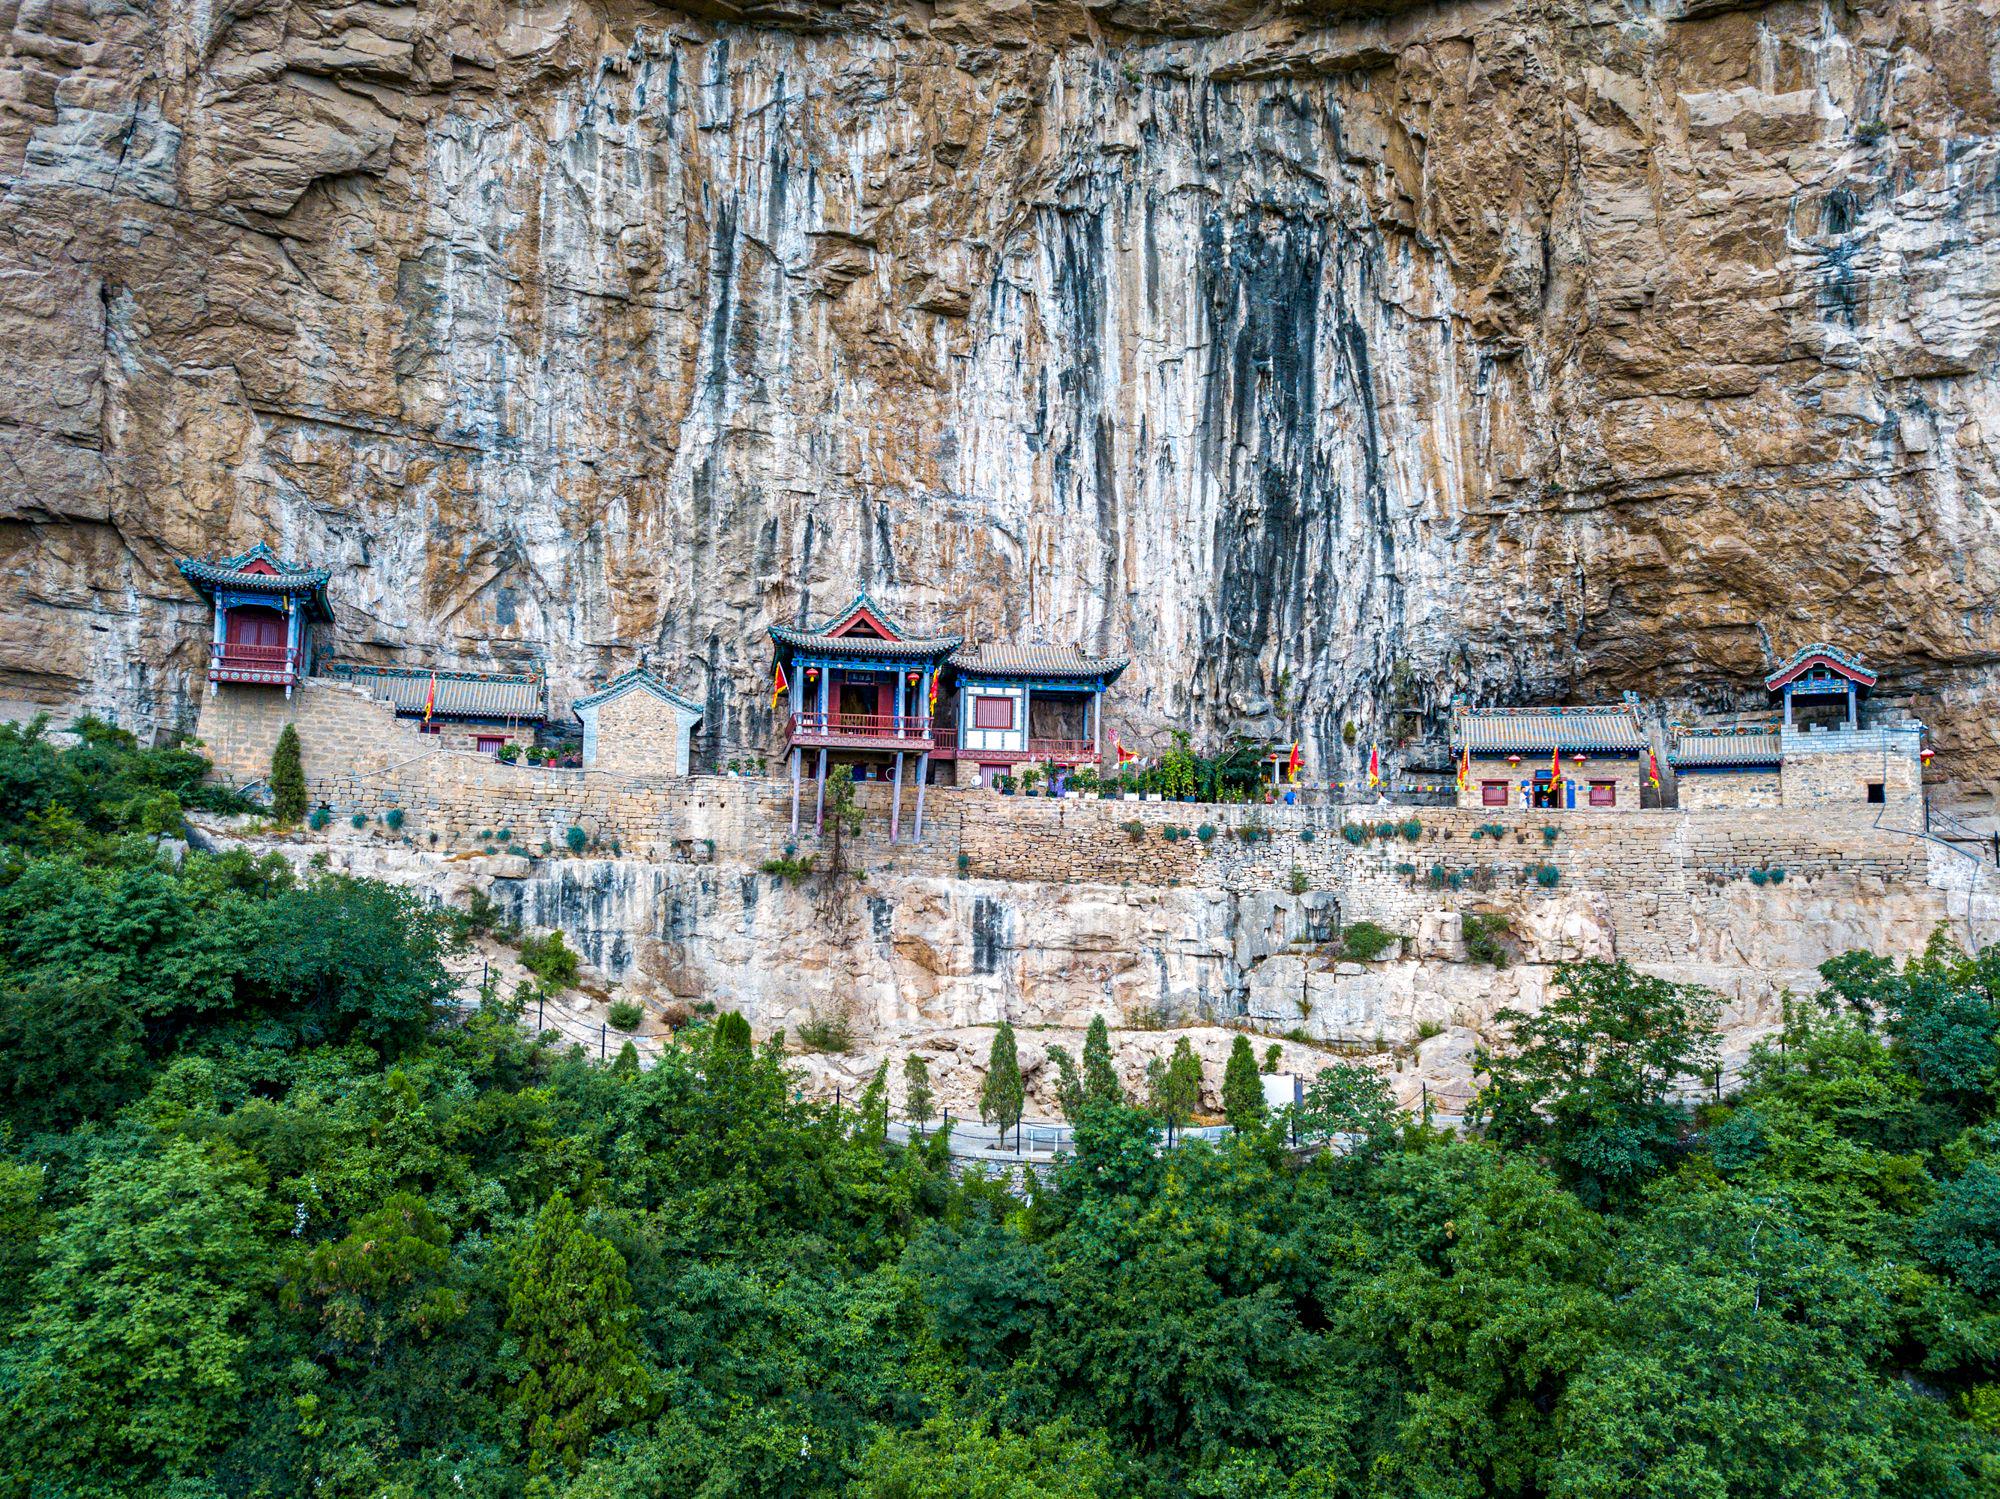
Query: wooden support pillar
819	804
896	800
797	753
1853	707
923	775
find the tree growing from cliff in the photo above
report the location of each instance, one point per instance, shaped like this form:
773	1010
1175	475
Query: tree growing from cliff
843	821
1100	1077
288	779
919	1103
1242	1087
569	1308
1002	1095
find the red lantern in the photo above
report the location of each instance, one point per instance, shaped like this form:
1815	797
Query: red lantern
1925	755
1513	759
913	678
1578	759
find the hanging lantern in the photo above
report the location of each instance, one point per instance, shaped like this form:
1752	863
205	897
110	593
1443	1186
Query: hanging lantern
811	672
913	677
1513	759
1578	759
1925	756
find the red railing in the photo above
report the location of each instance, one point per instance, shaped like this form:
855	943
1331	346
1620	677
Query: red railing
1059	751
898	730
269	664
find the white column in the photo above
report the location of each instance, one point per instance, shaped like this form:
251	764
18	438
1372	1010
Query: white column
923	775
896	800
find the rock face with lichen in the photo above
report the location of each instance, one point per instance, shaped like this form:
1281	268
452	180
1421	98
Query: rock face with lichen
1329	359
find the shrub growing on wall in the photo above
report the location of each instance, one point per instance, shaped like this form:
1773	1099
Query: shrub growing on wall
1355	833
1412	829
393	819
1548	876
625	1016
288	778
319	819
576	840
1206	833
1364	941
358	821
1484	935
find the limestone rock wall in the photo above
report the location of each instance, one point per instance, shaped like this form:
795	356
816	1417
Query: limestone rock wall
1328	362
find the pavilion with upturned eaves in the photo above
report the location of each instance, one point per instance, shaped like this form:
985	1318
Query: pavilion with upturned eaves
860	690
865	691
267	616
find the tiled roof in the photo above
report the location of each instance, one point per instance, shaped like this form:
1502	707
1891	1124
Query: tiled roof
286	578
1036	661
637	679
1844	662
1743	744
460	694
871	647
1527	731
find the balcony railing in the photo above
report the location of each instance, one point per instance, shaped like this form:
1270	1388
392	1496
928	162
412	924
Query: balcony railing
862	730
1056	751
265	665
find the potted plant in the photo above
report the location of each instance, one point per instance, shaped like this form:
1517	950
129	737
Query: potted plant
509	752
1005	783
1031	776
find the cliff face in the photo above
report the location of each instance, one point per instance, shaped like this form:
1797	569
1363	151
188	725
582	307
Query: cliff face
1328	362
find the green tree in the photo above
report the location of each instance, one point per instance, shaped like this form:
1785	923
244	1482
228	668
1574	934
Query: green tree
731	1036
1176	1087
383	1281
1002	1094
919	1103
1100	1076
956	1459
1069	1083
288	779
145	1314
569	1310
1350	1105
1586	1081
1242	1087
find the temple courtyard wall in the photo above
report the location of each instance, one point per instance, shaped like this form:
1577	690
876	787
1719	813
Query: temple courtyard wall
1046	912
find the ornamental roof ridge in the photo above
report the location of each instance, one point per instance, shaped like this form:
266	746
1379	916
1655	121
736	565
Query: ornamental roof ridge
637	678
1843	661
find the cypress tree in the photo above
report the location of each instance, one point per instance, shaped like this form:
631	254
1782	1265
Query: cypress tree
1002	1094
918	1100
1100	1078
1179	1087
1242	1087
569	1308
731	1036
288	779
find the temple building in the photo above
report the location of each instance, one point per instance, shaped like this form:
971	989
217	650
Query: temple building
1824	743
860	690
636	723
864	691
1037	705
1727	765
1552	758
471	710
271	617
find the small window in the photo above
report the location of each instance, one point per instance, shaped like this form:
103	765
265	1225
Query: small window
993	713
1492	793
489	744
430	728
1876	792
1604	793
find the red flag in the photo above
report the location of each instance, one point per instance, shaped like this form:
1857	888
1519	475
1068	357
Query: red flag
1555	770
933	698
1293	765
779	686
1465	769
431	698
1652	770
1119	752
1374	767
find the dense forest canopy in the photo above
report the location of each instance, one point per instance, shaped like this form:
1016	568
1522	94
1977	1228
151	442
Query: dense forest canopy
272	1222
